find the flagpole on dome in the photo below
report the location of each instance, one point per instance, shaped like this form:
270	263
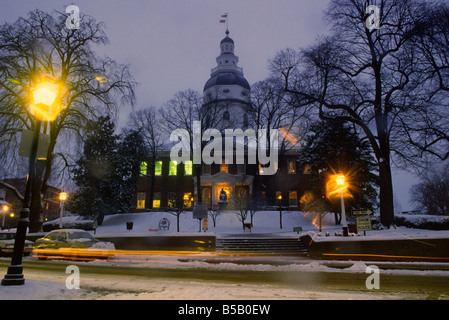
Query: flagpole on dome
225	19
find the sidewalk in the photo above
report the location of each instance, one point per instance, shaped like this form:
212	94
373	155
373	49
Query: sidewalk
430	249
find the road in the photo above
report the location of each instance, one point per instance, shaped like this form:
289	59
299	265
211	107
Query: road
208	277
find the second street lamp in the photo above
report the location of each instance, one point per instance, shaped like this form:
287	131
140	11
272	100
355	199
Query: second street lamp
62	199
43	108
341	183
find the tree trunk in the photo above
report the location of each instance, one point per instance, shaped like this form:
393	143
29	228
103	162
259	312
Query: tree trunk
386	194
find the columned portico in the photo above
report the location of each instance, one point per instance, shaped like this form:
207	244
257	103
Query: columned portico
235	186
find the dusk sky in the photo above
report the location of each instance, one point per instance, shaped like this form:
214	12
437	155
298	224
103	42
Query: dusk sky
171	45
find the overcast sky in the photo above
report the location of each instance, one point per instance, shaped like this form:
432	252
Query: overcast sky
171	45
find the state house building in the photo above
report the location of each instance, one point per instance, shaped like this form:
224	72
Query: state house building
174	183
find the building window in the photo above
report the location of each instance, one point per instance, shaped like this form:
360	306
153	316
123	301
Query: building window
172	199
307	169
293	198
224	167
173	168
245	120
187	199
158	168
143	169
188	168
279	197
241	169
206	169
141	200
291	163
157	200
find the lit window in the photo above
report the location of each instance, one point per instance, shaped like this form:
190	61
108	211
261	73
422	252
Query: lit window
293	198
291	166
224	167
279	197
143	169
141	200
172	199
188	168
158	168
307	169
187	199
173	168
157	200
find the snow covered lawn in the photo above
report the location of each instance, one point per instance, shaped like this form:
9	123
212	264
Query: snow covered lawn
51	285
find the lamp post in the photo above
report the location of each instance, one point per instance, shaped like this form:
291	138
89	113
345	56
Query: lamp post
279	198
5	209
62	199
340	178
44	98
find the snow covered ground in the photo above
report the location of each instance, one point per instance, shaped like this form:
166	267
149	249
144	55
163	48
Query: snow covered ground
264	222
51	285
227	223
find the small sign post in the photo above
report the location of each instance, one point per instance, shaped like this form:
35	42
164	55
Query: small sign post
200	212
205	224
364	224
362	212
363	217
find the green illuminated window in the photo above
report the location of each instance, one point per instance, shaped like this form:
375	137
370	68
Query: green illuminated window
158	168
173	168
143	169
188	168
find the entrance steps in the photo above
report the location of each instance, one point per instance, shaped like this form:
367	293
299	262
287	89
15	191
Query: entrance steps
271	245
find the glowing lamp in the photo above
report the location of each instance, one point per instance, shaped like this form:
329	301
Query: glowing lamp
340	180
44	98
63	196
5	208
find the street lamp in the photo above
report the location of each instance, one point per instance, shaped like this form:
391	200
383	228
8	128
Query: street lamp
44	104
5	209
340	179
279	198
62	198
44	108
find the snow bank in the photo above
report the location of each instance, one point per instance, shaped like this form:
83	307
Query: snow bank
147	223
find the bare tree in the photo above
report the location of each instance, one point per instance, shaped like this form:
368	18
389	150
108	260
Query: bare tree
148	123
372	78
181	112
42	45
273	108
432	194
214	213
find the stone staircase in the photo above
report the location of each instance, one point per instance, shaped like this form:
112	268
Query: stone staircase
270	245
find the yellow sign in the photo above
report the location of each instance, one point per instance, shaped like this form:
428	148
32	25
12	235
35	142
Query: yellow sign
364	223
205	224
